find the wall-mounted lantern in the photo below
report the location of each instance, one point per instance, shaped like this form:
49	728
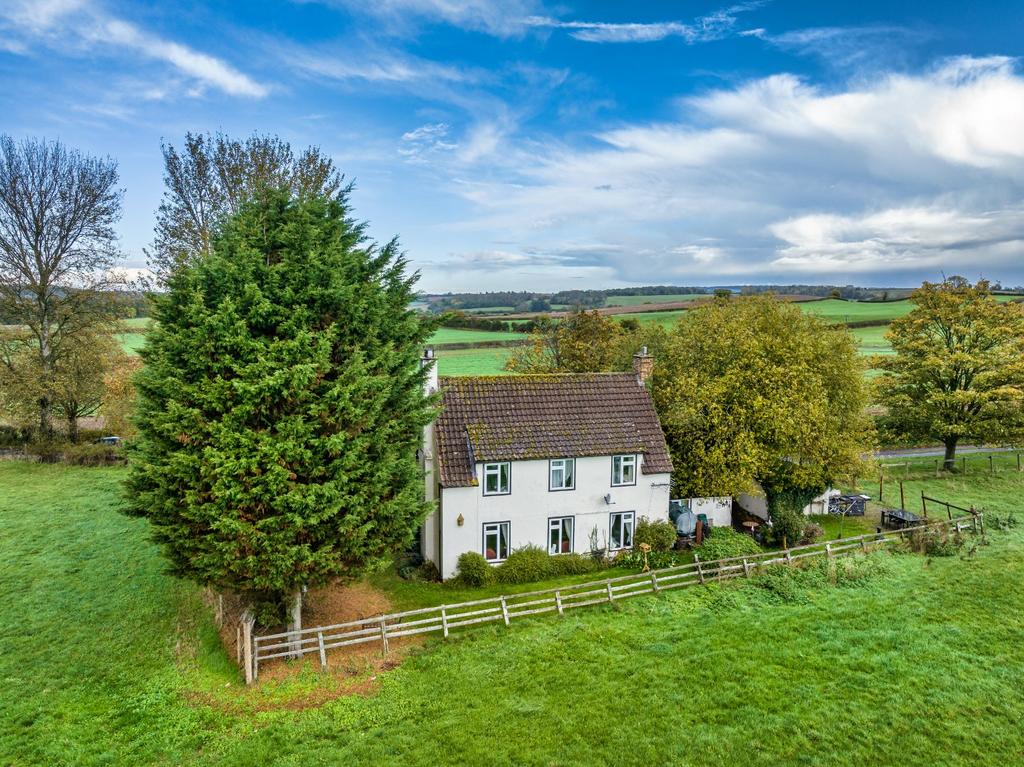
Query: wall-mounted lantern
460	520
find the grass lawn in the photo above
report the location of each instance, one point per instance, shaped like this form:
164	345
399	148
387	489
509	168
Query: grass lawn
472	362
461	335
107	660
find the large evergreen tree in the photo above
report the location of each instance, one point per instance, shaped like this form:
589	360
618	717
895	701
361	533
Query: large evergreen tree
281	405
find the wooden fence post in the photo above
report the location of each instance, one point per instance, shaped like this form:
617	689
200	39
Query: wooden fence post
880	486
504	610
789	557
963	462
384	635
249	661
323	652
700	570
828	550
991	465
903	500
936	468
1018	461
444	621
608	585
558	602
654	582
746	567
924	506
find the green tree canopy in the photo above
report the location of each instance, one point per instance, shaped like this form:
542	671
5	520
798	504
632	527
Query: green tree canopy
583	342
754	391
281	404
958	369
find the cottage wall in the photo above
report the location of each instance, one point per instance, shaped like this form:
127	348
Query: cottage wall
531	504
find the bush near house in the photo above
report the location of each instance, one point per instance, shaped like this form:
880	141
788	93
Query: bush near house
473	570
659	534
525	565
726	543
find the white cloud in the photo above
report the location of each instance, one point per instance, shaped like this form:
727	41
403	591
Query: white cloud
713	26
502	19
77	24
904	175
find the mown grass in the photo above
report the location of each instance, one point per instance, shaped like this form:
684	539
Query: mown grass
106	660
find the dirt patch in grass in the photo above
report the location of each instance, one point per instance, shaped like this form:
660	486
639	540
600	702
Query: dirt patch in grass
351	670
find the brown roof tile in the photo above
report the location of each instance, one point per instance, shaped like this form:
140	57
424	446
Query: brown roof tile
519	417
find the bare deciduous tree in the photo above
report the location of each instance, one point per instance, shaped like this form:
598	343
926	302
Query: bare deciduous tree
58	208
214	175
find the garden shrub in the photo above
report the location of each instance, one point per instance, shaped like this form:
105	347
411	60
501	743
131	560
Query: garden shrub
572	564
659	534
655	559
812	532
530	563
473	570
787	527
726	543
92	455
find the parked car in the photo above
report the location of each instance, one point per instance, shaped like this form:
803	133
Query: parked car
111	440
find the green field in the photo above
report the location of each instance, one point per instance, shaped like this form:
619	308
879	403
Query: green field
107	660
459	335
641	300
472	362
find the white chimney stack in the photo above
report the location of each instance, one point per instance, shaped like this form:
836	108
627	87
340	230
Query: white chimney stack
429	361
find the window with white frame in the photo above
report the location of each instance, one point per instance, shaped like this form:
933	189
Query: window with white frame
562	474
620	531
496	536
623	470
560	535
497	478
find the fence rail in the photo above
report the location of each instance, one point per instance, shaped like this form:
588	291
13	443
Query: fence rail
444	618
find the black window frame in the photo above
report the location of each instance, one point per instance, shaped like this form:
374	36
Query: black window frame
632	532
636	467
560	489
572	534
483	475
508	541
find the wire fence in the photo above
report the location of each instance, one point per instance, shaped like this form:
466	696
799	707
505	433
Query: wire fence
443	619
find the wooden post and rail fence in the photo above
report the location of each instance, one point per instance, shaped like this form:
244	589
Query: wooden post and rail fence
919	464
255	649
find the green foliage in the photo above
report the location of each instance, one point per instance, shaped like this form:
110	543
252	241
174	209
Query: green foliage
753	390
787	527
659	534
583	342
150	683
813	532
957	372
281	404
473	569
525	565
655	559
724	542
573	564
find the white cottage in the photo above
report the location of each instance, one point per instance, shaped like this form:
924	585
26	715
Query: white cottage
566	462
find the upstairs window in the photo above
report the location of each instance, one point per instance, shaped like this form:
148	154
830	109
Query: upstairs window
497	478
623	470
562	474
496	535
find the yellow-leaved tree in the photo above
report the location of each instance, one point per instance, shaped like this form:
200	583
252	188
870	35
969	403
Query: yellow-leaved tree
754	392
958	369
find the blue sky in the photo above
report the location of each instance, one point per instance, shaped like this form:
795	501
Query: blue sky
538	145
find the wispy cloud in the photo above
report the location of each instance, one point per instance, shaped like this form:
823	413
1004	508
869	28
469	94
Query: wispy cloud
501	19
902	175
713	26
76	25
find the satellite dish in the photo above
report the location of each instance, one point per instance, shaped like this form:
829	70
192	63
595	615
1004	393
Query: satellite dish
608	498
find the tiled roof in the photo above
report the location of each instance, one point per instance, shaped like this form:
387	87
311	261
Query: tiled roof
519	417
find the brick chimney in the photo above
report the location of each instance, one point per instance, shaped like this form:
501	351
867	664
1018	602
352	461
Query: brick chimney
429	361
643	365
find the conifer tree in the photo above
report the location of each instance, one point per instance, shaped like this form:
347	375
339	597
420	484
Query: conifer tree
281	405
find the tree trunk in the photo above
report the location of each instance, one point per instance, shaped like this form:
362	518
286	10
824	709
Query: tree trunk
72	427
295	622
45	422
949	461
